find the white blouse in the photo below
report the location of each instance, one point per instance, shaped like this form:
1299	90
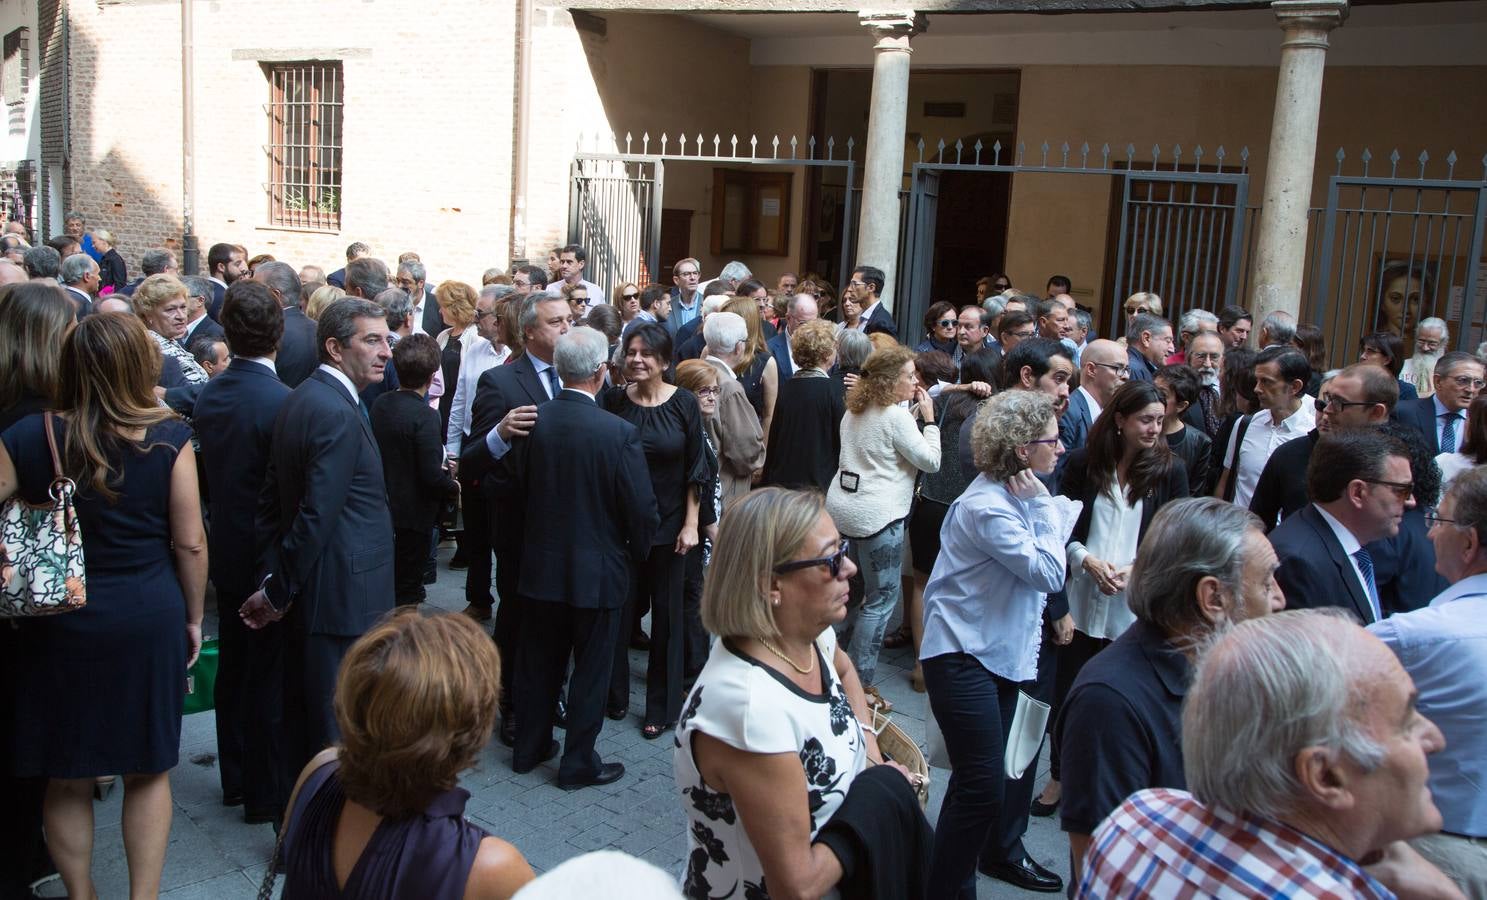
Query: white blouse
1114	534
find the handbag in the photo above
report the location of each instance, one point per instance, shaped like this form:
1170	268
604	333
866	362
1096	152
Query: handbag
201	680
897	746
1028	724
41	549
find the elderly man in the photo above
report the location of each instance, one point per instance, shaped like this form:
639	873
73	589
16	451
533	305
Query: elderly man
1277	329
198	323
1203	566
297	356
79	277
1444	649
1442	418
311	274
1283	805
1205	355
802	309
741	453
1054	321
733	274
1102	369
412	279
153	262
686	299
1148	344
972	328
691	342
1193	323
42	262
1286	413
1431	338
1234	326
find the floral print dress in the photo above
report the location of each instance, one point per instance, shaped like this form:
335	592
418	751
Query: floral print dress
748	705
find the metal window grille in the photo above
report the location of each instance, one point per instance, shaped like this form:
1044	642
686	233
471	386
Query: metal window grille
304	149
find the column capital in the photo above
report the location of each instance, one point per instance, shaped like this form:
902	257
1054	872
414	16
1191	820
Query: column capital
1308	22
892	28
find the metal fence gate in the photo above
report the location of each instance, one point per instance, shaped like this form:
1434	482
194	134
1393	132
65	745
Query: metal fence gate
1181	220
1396	248
616	198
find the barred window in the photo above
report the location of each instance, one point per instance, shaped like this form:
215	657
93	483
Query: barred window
13	69
304	150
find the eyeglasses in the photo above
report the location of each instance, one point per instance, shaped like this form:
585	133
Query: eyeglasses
947	323
1432	518
1342	405
1119	368
1401	489
628	296
1426	344
855	283
1024	335
1205	357
1052	440
832	562
707	392
1466	381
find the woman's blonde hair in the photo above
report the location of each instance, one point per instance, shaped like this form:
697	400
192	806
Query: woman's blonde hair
457	303
321	300
876	383
154	292
748	309
813	343
415	702
617	296
694	375
759	531
882	341
1150	301
1007	421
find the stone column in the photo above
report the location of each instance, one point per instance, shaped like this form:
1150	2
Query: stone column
1280	252
883	170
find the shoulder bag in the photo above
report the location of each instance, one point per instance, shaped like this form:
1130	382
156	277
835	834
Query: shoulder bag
41	549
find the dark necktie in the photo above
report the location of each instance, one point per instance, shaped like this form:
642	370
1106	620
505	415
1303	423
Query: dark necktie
1365	565
365	413
1448	432
553	386
1208	399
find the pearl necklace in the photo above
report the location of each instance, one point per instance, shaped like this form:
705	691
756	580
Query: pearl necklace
776	651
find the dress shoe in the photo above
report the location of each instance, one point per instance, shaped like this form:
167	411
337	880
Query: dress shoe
640	641
459	561
552	751
617	713
507	732
478	613
431	577
1043	810
1026	874
234	798
260	816
560	715
607	774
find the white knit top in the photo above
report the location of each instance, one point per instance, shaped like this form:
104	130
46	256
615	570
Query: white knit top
885	449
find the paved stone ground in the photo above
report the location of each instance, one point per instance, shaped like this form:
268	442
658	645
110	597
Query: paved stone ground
213	855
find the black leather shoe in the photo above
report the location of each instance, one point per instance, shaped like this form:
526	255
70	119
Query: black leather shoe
607	774
1043	810
233	799
617	713
560	715
260	816
507	732
640	641
1026	874
552	751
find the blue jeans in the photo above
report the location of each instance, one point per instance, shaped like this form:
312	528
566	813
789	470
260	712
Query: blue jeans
974	708
880	559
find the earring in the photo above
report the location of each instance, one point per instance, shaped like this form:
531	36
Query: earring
777	601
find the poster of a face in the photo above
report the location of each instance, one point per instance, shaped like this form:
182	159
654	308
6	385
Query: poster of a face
1403	295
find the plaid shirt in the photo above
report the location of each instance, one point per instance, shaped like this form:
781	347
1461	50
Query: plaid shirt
1164	843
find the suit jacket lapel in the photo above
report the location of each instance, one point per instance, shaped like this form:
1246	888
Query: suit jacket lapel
366	426
1344	565
526	376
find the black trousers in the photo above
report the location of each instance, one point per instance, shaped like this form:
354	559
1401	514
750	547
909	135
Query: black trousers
311	662
697	642
410	556
477	543
659	579
250	726
1071	658
508	631
551	633
1005	844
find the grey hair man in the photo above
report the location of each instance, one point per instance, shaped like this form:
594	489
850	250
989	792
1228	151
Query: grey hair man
10	273
726	335
732	275
210	352
1337	782
153	262
42	262
79	276
198	324
1193	323
399	311
413	279
1203	566
297	356
1148	344
1432	336
1276	329
475	359
365	277
802	308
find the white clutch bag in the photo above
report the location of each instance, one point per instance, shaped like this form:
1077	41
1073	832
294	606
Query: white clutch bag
1028	724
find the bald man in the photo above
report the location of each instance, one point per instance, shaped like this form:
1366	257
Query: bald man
10	273
1102	369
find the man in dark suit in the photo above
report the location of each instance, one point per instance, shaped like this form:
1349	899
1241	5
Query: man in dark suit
226	263
802	309
426	316
1148	344
79	277
418	480
506	400
198	324
1102	369
580	472
354	250
1441	418
234	420
152	262
1359	483
866	287
298	356
327	552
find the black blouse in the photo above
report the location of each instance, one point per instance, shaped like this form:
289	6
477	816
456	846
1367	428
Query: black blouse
675	452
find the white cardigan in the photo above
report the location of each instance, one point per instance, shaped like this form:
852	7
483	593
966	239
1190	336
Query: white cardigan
885	449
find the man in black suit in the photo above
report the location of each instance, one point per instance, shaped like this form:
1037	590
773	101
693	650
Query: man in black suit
354	250
298	356
418	480
234	420
1359	483
328	546
581	472
1148	344
152	262
802	309
79	277
1102	368
866	286
426	315
198	323
506	401
1441	418
226	263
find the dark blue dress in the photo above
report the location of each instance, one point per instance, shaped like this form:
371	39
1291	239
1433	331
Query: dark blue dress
104	685
427	856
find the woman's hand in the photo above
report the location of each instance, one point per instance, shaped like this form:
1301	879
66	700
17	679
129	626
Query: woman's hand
1063	629
1106	576
686	539
193	643
849	381
924	407
1026	486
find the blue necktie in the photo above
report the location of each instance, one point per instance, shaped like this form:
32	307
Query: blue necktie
1448	432
1365	565
365	413
553	386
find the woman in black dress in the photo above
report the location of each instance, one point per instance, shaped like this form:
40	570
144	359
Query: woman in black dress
806	433
670	424
105	684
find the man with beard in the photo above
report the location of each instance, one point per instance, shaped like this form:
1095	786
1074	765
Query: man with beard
1205	354
1431	338
226	263
1203	565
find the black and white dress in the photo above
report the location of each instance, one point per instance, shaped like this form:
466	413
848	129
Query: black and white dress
745	704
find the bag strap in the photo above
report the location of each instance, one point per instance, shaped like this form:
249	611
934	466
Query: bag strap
1232	488
266	887
51	442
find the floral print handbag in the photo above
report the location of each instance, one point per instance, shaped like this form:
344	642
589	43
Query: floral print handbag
41	549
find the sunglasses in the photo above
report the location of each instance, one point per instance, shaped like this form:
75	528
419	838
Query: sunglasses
1401	489
832	562
947	323
1323	403
629	296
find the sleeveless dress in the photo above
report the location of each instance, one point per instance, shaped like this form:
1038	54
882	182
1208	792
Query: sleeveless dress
424	857
748	705
104	685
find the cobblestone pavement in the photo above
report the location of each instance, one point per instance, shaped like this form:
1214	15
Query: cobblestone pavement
215	856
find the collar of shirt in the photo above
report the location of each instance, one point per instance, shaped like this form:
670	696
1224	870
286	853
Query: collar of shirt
644	316
345	382
577	391
867	314
1303	420
1171	666
1471	586
1350	544
1094	405
215	280
676	298
262	361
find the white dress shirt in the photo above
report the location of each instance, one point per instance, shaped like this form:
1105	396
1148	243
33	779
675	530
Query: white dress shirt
480	356
1094	405
262	361
1350	545
418	307
1114	534
1260	440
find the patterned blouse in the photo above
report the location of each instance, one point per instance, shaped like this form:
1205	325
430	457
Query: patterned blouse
748	705
190	368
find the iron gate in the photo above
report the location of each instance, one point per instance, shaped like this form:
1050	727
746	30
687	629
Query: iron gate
616	198
1182	221
1395	249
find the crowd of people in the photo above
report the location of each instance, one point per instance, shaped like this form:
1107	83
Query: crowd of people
1165	536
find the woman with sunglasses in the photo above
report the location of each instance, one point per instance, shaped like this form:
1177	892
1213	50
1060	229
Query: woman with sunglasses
771	738
1002	552
627	301
939	331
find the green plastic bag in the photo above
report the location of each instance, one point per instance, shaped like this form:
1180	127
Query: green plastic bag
201	679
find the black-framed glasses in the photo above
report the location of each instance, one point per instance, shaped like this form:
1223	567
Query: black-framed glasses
832	562
1433	518
1324	403
1052	440
1118	368
628	296
1400	489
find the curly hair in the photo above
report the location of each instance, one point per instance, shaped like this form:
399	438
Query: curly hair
880	373
1007	421
415	702
813	344
457	303
154	292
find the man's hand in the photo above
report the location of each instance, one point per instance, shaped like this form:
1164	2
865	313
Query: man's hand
257	612
517	423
